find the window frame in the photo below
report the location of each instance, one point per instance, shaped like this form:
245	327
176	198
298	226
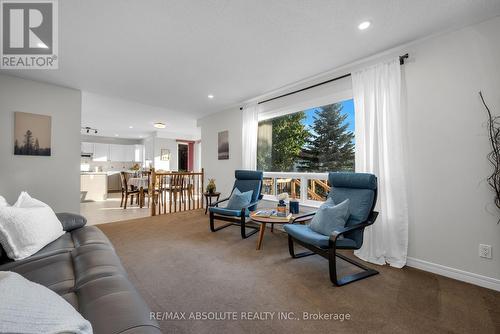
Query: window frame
303	176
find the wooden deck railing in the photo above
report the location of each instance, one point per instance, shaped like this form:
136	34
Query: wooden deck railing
308	188
175	191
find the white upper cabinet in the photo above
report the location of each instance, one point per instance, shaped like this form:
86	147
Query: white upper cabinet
139	153
114	152
101	152
118	152
87	148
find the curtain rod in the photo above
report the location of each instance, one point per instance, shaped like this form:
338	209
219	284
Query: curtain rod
401	62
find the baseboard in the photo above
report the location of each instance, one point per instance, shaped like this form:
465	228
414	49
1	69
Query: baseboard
465	276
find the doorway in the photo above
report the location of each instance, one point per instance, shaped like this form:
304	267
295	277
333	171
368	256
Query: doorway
182	157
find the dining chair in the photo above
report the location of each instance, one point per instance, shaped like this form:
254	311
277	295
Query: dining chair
127	191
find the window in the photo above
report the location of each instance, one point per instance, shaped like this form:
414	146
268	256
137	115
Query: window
315	140
296	150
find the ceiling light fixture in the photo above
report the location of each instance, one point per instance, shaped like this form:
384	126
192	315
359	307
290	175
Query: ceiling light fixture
88	129
131	127
364	25
116	135
210	96
159	125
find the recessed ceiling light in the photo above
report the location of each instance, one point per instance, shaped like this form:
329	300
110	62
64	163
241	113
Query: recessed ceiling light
159	125
210	96
116	135
364	25
131	127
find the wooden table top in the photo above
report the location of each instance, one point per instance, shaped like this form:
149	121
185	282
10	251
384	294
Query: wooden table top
271	220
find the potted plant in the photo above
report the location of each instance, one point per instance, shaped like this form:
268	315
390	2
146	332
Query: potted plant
211	186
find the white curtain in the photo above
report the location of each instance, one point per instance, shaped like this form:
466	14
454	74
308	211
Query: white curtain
249	137
380	150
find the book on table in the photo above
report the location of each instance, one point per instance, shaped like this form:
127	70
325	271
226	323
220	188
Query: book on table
272	214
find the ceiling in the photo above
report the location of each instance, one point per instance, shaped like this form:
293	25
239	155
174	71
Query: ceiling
119	118
172	54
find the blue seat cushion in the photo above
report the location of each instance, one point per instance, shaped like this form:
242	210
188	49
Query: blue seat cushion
227	212
308	236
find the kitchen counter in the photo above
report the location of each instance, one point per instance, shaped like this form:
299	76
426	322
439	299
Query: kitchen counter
93	186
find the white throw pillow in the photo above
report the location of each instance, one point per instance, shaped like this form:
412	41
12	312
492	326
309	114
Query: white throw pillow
3	202
28	307
27	226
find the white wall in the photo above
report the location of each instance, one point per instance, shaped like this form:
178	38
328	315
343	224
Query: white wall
169	144
451	206
221	170
56	179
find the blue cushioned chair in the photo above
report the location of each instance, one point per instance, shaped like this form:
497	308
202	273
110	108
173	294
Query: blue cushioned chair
361	190
246	180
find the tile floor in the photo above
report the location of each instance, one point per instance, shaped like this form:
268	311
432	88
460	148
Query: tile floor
108	211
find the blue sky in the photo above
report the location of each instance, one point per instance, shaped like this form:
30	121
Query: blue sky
347	108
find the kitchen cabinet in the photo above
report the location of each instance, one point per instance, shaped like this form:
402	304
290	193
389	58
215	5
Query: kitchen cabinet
94	186
139	153
87	148
114	182
114	152
101	152
125	153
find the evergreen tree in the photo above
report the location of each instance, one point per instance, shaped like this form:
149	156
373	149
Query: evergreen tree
17	149
330	147
37	146
28	142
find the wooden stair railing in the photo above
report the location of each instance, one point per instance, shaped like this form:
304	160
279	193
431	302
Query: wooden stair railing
175	191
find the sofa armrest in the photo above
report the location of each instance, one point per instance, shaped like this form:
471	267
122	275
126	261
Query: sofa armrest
71	221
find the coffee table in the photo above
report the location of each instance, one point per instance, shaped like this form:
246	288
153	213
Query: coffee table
263	221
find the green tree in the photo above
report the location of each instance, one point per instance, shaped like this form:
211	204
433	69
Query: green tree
28	142
289	135
37	146
331	145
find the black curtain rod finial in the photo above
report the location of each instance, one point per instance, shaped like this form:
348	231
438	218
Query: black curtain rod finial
402	59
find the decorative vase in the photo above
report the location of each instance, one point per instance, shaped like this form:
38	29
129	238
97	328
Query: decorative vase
281	209
294	206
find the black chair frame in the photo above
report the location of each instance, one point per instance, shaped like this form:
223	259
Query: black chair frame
331	254
242	221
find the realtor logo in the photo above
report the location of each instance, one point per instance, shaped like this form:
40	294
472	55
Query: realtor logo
28	36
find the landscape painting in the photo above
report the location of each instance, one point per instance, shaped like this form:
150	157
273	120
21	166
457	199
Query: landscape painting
223	145
32	134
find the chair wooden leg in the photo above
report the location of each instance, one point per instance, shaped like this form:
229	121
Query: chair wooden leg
132	199
125	202
261	235
121	202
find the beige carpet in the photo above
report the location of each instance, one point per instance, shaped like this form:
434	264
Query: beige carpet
178	265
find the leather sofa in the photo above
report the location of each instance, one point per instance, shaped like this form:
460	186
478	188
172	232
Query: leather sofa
83	268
